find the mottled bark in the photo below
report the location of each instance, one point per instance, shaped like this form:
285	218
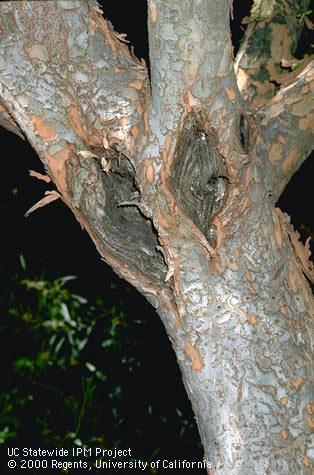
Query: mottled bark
287	129
266	55
176	186
71	85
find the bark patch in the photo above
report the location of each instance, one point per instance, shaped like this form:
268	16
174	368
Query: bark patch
252	319
38	51
284	401
275	152
194	354
297	382
75	120
43	128
290	161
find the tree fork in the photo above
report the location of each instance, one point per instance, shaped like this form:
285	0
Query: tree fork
186	210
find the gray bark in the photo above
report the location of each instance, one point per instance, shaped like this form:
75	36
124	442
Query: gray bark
186	213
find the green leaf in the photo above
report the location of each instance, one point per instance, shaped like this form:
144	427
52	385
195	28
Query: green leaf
90	366
22	262
66	278
66	315
80	299
22	363
107	343
58	345
6	434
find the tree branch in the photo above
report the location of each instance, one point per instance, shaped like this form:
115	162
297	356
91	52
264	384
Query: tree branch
71	85
192	74
270	41
190	53
287	129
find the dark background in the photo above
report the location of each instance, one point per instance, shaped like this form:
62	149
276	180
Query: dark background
53	243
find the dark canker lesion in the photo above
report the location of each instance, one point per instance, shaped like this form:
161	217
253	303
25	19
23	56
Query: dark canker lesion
198	176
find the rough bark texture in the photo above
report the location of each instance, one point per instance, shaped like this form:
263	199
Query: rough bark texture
268	47
177	187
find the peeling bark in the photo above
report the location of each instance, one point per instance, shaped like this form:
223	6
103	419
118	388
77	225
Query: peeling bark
267	51
8	123
68	64
287	129
176	186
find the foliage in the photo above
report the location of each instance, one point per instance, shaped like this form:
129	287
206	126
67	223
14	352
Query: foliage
75	374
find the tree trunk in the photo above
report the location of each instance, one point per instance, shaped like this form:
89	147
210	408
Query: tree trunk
176	184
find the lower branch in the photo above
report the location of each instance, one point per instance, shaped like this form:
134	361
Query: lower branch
78	94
